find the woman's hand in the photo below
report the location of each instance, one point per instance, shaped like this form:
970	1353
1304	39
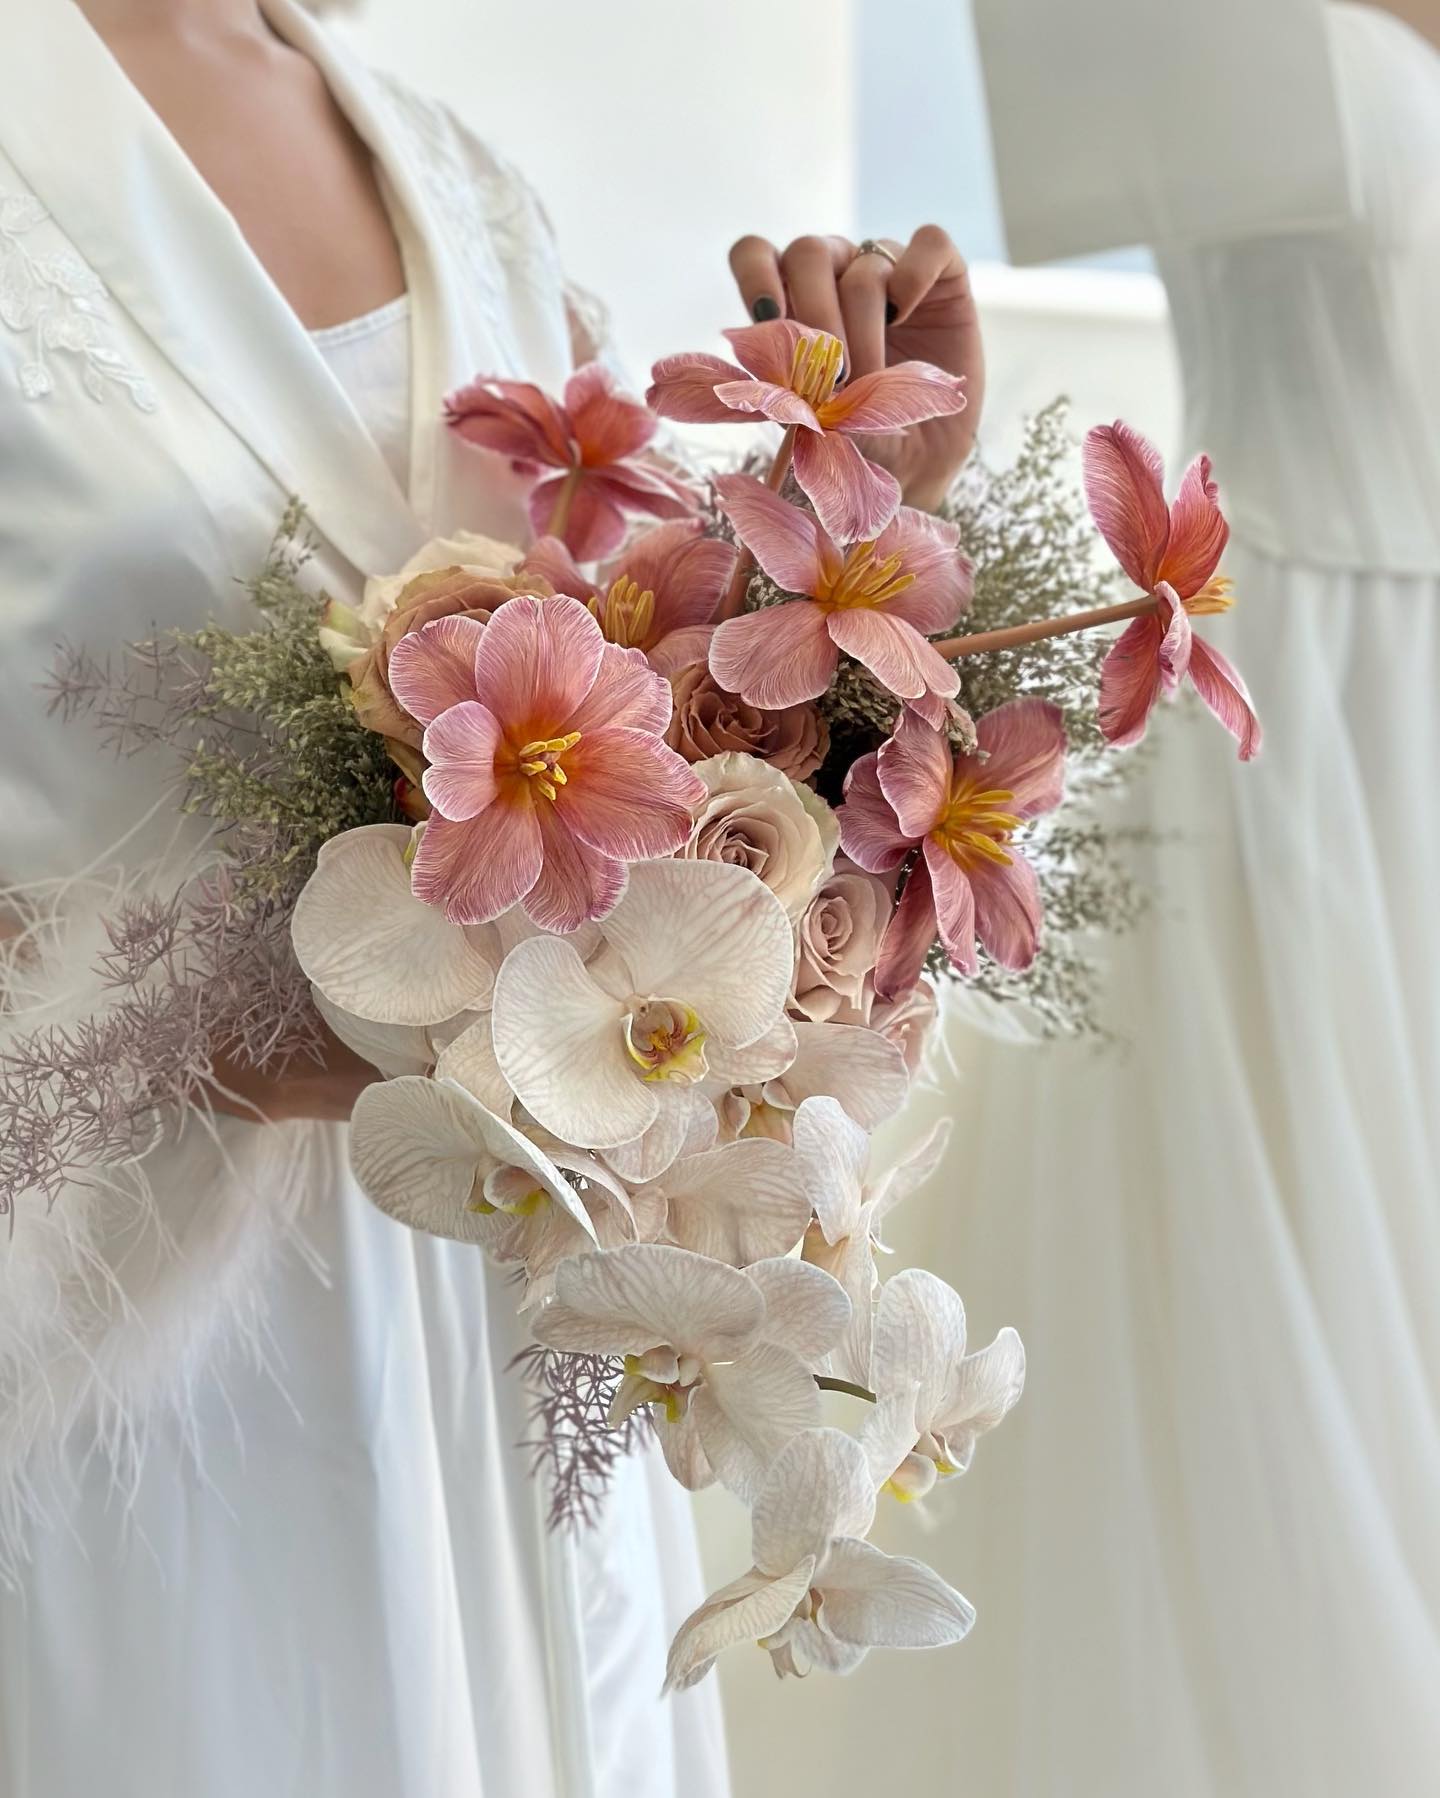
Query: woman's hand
323	1090
918	308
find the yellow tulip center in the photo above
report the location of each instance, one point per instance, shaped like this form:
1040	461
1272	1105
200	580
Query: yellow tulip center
815	368
974	825
627	615
1217	595
540	762
864	581
664	1038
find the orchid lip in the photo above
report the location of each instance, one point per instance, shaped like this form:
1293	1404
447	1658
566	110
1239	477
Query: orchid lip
665	1038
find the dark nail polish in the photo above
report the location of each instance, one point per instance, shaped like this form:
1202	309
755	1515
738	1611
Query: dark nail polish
892	312
765	309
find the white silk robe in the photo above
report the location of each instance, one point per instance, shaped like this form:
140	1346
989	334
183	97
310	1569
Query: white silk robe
265	1520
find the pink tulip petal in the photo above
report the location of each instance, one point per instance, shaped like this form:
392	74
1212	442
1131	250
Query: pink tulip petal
853	499
1024	746
1130	681
891	398
607	424
681	649
576	883
915	769
1198	532
908	936
1124	483
538	658
1176	643
1007	909
870	833
784	539
770	401
1222	689
593	526
683	388
512	418
944	578
628	693
768	351
775	657
434	668
643	487
550	559
478	870
628	795
954	906
460	747
894	652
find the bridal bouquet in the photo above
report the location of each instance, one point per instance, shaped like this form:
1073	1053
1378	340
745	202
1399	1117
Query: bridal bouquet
636	885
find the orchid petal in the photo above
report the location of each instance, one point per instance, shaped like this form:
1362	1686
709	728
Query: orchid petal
776	657
561	1048
746	1610
765	1059
981	1392
469	1061
684	1452
738	1203
833	1153
919	1339
818	1487
806	1310
393	1049
749	1408
647	1295
853	499
853	1064
685	1124
875	1600
373	948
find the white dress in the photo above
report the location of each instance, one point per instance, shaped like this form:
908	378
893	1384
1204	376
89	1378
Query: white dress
266	1520
1205	1557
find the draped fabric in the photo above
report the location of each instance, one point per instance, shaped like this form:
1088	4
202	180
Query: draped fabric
1204	1556
264	1510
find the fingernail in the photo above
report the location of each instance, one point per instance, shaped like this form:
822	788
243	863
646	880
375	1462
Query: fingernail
892	312
765	309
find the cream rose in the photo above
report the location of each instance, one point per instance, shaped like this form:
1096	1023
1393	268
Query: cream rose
839	942
762	820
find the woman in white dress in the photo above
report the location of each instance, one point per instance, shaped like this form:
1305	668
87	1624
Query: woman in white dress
1207	1561
266	1520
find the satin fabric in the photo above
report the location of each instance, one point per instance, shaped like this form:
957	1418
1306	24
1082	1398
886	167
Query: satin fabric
1203	1549
262	1498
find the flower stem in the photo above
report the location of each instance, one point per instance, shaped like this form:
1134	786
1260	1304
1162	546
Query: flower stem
564	500
1017	635
827	1383
733	603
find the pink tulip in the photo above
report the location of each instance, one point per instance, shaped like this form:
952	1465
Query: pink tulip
594	440
660	595
1171	552
789	374
876	601
547	773
969	880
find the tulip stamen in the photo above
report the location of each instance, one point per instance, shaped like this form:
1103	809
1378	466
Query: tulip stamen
975	825
862	581
815	368
540	762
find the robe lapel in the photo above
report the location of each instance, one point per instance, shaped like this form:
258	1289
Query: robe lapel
119	186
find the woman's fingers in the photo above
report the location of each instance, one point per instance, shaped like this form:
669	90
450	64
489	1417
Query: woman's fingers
930	256
756	268
864	302
811	267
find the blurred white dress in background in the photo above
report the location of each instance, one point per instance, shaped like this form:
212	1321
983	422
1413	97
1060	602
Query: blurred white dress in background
286	1541
1207	1560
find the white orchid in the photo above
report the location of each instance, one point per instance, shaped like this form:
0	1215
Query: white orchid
935	1400
833	1154
374	949
691	980
739	1203
430	1155
725	1359
818	1594
848	1062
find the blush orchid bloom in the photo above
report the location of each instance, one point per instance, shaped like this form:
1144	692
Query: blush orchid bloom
547	771
593	441
1173	553
833	1153
739	1203
725	1359
659	596
934	1400
877	601
818	1595
791	375
961	811
690	983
